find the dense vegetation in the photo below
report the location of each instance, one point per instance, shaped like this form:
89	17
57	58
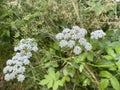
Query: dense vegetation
57	68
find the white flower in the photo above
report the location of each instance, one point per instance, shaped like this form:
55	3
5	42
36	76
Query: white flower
72	31
29	39
97	34
35	49
10	68
21	69
17	56
75	37
22	46
67	36
59	36
26	44
71	43
6	69
21	77
15	68
83	32
26	62
7	77
18	63
12	75
77	28
63	43
88	46
29	54
82	41
16	48
9	62
77	50
66	30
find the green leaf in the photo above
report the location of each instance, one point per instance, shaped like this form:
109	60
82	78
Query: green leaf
81	58
117	49
50	84
111	52
65	72
90	56
81	67
43	82
51	73
86	82
57	75
108	57
69	71
52	79
56	84
103	84
65	78
105	74
115	84
118	64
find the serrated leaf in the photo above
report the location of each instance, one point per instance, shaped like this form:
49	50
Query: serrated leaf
43	82
50	84
103	84
56	84
115	83
105	74
51	73
57	75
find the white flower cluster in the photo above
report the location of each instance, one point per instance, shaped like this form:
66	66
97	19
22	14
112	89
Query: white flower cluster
16	66
97	34
74	38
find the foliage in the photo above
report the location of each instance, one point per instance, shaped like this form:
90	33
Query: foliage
55	68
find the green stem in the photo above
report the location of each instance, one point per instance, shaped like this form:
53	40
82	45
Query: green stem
93	77
33	72
104	66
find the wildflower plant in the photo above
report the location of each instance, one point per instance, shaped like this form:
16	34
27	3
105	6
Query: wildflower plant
16	66
74	59
76	40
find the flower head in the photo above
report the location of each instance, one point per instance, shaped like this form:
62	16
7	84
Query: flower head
21	77
97	34
77	50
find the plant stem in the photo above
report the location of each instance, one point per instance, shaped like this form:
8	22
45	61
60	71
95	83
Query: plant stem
94	78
